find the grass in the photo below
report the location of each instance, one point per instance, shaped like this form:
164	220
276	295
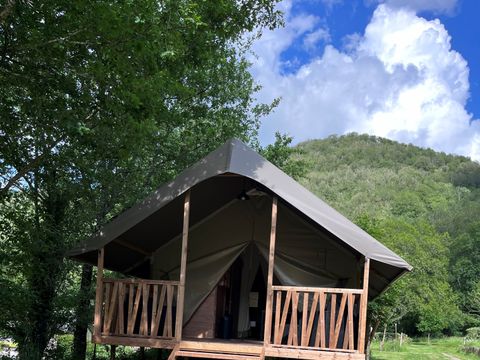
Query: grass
421	349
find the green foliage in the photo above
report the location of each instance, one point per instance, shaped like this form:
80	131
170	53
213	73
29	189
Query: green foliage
424	297
423	205
465	265
285	157
101	102
473	333
473	301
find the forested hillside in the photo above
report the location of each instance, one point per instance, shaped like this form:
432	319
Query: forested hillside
422	204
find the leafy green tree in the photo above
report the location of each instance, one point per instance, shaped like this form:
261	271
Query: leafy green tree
425	296
474	301
100	102
465	269
285	157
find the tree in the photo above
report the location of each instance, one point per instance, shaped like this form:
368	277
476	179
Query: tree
465	260
474	301
285	157
100	102
425	296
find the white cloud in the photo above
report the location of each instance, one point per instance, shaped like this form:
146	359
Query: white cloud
400	80
316	36
435	6
329	4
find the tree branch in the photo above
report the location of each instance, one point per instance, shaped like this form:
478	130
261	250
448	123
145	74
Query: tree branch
21	173
36	161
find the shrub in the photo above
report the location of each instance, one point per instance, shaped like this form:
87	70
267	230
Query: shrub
473	333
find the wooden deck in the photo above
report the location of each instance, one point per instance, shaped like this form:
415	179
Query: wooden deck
218	349
244	349
230	349
241	349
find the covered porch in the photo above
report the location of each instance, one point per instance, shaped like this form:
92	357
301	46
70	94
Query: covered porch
299	322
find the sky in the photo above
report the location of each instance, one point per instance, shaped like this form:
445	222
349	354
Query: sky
407	70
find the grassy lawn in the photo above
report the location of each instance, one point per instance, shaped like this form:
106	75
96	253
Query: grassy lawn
420	349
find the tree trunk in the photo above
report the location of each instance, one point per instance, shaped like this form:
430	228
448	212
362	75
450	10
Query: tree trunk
383	338
367	350
373	329
83	314
43	274
47	262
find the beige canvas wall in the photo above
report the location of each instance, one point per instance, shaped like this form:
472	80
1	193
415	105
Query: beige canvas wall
304	255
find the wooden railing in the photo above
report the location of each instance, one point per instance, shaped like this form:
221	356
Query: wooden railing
317	318
138	308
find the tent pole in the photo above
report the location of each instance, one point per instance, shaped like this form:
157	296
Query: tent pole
271	257
363	307
99	296
183	265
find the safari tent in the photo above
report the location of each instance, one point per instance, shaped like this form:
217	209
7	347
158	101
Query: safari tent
233	259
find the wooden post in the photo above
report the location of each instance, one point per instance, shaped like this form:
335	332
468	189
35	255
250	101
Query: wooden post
363	308
99	296
183	265
271	257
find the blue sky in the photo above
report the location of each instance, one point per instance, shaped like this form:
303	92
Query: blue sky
404	69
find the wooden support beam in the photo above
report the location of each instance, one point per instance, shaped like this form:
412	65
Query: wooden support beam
136	341
99	294
321	321
144	318
121	308
271	257
283	320
112	307
333	309
183	266
173	354
304	339
278	310
363	308
216	345
311	354
338	324
317	289
293	328
141	281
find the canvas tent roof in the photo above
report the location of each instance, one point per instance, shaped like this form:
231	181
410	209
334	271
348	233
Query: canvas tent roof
132	238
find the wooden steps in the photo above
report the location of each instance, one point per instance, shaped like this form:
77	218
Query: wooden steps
218	350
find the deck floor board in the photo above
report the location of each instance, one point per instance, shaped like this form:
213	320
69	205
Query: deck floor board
230	349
